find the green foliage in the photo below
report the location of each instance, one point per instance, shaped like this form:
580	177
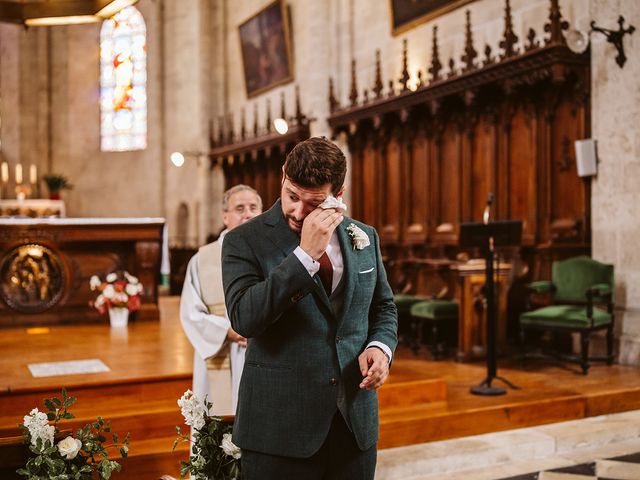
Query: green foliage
56	181
208	459
47	463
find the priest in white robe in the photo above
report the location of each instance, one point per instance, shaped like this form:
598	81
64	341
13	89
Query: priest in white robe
203	314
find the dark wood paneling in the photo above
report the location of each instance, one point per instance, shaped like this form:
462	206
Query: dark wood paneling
83	250
506	127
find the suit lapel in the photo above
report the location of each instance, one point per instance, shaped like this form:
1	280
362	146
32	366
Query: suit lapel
280	233
287	240
349	260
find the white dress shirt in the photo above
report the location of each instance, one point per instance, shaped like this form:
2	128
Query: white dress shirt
335	256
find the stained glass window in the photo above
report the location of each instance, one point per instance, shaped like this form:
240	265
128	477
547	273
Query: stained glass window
123	82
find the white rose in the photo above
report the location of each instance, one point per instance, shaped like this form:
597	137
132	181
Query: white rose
229	447
192	410
69	447
109	291
38	426
131	289
359	238
130	278
112	277
94	282
99	300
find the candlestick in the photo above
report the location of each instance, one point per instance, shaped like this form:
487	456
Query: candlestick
33	174
4	172
18	174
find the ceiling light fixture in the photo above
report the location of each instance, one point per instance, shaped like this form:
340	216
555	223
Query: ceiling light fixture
61	12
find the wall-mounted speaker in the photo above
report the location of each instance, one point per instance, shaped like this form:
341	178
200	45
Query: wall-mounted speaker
586	158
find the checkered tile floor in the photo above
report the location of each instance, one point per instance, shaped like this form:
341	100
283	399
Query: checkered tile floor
626	467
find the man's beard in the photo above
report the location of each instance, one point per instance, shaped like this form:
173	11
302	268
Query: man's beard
294	224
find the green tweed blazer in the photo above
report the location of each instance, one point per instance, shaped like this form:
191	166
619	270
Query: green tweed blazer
301	352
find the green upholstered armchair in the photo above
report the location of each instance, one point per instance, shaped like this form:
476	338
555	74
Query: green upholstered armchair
582	293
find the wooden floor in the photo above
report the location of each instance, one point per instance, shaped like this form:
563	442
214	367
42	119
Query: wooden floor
151	367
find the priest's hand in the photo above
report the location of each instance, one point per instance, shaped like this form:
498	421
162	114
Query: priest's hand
374	366
234	336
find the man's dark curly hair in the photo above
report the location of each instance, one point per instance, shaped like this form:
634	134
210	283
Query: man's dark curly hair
315	162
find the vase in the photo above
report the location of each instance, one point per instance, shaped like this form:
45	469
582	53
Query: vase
118	316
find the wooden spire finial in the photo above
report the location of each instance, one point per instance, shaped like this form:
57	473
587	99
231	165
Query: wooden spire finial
452	68
283	111
221	130
230	132
377	88
299	114
404	79
243	128
255	119
436	66
488	58
556	25
333	102
268	120
469	52
532	43
509	39
353	95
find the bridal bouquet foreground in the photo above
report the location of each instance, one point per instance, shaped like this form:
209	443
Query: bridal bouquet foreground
80	457
213	455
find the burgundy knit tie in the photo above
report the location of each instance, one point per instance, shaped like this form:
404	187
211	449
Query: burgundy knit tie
326	273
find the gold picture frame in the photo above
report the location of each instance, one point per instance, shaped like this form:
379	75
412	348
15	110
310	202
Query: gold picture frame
265	46
407	14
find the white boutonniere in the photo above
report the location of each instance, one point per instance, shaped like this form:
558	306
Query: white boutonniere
359	238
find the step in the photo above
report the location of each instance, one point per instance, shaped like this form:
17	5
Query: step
439	423
126	392
399	394
503	454
146	421
150	459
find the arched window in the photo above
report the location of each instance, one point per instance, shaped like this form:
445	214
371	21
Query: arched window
123	82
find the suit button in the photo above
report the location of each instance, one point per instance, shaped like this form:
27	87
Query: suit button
338	338
333	381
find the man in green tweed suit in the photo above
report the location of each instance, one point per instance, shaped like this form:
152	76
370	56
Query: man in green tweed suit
307	287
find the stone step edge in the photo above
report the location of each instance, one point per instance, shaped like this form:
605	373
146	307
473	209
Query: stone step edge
494	449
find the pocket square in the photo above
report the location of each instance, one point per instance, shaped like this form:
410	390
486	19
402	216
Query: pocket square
367	271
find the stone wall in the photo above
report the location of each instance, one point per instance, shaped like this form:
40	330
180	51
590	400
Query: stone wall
615	199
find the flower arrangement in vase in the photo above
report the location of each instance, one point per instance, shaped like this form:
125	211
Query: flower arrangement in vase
213	454
56	182
118	294
83	456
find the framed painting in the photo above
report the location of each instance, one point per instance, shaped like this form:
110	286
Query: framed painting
266	49
406	14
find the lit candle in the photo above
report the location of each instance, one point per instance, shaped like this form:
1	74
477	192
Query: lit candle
18	174
33	174
4	169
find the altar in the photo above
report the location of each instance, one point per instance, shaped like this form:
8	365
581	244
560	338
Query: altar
46	264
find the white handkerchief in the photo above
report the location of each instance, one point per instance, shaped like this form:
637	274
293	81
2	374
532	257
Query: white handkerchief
333	202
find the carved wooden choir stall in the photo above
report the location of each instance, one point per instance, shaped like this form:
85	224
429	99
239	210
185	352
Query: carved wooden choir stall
256	158
424	159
